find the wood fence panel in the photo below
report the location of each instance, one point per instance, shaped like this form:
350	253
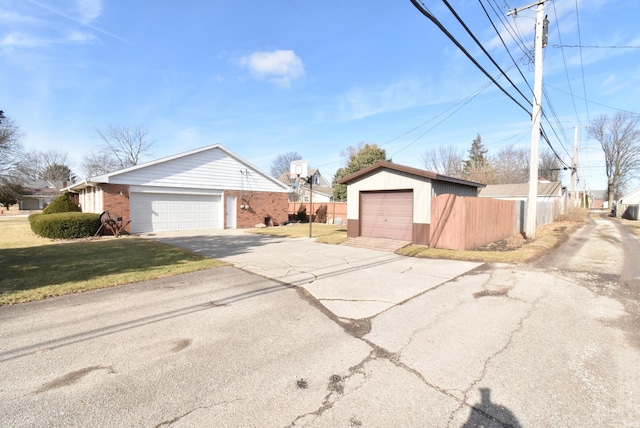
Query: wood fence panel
335	210
464	223
447	222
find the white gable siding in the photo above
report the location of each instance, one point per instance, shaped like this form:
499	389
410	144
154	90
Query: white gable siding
631	198
209	169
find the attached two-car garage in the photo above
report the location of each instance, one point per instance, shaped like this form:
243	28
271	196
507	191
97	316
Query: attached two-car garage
155	212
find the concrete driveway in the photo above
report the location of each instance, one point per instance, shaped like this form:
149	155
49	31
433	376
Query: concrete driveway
352	283
499	346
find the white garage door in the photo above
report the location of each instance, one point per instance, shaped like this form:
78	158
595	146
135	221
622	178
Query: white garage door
155	212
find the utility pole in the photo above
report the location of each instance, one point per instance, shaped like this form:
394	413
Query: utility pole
574	169
540	42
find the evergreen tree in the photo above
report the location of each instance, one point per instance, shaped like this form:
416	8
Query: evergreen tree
478	168
359	158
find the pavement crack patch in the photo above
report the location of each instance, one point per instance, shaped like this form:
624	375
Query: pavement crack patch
177	418
487	362
71	378
355	300
336	384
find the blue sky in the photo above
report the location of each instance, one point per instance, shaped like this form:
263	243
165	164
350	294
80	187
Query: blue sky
266	78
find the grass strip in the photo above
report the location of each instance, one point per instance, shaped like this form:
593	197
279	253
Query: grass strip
35	268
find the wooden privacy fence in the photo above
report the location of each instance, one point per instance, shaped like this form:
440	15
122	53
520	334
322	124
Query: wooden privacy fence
546	212
464	223
335	210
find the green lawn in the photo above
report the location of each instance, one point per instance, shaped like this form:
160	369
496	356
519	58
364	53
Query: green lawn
325	233
34	268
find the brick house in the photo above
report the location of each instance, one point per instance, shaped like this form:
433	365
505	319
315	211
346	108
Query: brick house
206	188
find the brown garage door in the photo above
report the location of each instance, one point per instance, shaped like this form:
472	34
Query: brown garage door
387	215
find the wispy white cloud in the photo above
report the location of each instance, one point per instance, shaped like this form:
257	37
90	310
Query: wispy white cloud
361	102
11	17
280	67
26	40
86	12
89	10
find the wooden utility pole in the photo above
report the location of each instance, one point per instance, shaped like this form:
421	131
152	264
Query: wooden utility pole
540	42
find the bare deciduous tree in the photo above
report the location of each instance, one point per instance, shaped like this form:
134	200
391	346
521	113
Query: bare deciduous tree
619	138
445	160
281	164
549	166
11	150
511	165
121	145
98	163
45	165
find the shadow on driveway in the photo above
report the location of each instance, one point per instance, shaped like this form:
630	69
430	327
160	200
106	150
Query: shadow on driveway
219	245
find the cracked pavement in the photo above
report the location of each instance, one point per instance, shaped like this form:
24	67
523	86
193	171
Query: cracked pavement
305	334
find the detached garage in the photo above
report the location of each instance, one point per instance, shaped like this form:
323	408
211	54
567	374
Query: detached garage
391	201
207	188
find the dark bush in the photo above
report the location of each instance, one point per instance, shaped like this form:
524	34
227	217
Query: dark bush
65	225
302	213
61	204
321	214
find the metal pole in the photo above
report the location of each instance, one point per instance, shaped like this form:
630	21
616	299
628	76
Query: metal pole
530	222
574	169
310	206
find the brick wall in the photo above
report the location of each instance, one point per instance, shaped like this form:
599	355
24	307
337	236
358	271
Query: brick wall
261	205
115	199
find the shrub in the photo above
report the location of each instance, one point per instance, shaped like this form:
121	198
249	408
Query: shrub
61	204
302	213
321	214
69	225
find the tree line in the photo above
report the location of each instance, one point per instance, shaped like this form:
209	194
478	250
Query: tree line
118	147
619	138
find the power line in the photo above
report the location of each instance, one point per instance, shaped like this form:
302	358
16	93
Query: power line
594	102
584	85
505	45
596	47
462	104
433	19
475	39
564	61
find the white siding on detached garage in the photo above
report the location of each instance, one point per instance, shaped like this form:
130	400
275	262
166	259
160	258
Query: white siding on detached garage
392	180
207	169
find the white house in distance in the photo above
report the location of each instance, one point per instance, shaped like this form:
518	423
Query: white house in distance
206	188
322	190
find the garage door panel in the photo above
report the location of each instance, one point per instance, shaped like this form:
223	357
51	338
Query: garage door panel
387	215
152	212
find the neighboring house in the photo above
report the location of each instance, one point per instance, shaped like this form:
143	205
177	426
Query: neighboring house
631	197
38	193
387	200
599	199
206	188
551	203
322	190
547	191
628	206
